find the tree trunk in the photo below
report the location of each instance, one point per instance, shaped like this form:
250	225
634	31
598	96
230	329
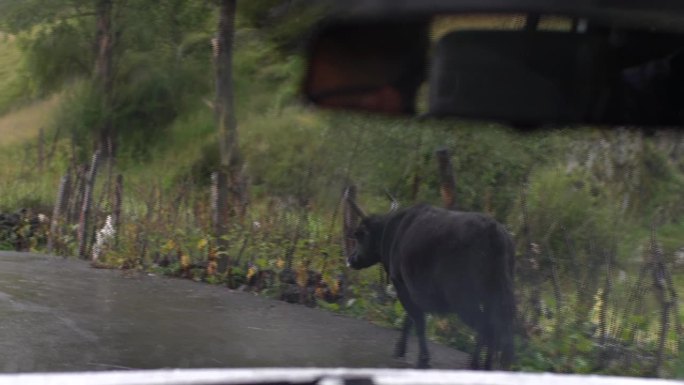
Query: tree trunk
224	108
116	207
219	214
76	201
103	75
350	221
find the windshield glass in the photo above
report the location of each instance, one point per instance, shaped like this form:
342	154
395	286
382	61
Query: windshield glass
168	200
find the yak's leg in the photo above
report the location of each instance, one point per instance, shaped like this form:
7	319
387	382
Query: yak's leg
423	354
493	347
475	358
472	315
400	348
489	333
498	331
491	350
418	317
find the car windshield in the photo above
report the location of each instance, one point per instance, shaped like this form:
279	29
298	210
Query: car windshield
168	199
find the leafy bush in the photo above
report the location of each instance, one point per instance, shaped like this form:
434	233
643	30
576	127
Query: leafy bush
564	206
54	54
13	82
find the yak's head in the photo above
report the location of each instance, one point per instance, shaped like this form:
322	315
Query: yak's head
367	236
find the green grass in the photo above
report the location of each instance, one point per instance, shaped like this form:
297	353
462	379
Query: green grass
21	185
678	279
24	184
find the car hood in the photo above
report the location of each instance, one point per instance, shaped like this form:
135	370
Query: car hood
317	376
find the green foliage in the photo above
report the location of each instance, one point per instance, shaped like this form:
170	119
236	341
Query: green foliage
53	38
55	54
162	73
489	174
265	80
78	113
13	85
22	15
25	185
284	23
581	213
280	155
160	66
571	353
678	365
661	187
149	99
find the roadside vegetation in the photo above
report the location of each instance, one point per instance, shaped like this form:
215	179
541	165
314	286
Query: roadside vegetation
597	214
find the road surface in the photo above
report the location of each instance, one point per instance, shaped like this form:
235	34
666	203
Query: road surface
63	315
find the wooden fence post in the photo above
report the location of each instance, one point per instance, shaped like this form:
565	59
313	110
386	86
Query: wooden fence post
142	236
555	283
77	190
61	205
603	311
219	216
447	185
350	220
84	219
659	273
530	265
41	149
116	207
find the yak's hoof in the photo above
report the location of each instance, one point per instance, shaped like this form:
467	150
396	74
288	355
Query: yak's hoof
423	364
399	352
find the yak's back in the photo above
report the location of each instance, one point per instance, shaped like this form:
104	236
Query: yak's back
427	229
436	251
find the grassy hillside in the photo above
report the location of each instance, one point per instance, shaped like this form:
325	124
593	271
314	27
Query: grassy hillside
21	126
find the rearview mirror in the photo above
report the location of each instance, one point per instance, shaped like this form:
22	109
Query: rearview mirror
370	66
598	76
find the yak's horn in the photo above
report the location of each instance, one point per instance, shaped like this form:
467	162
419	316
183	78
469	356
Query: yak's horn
353	204
394	204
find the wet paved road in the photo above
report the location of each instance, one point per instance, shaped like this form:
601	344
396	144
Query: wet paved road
62	315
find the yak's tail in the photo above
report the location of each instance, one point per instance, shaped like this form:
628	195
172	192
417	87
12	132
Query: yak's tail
504	316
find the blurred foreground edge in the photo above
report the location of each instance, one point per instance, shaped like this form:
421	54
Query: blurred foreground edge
318	376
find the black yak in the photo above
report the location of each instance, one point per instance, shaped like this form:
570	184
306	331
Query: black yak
442	261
